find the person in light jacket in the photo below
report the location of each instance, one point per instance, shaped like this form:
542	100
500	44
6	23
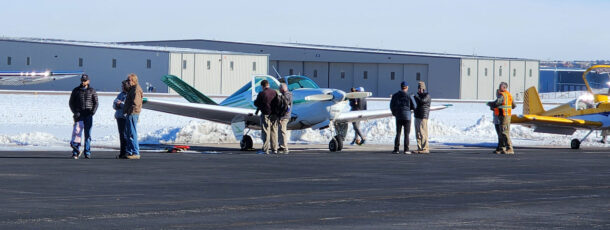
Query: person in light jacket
119	115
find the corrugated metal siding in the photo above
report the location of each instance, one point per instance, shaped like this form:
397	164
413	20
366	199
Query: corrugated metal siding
286	66
321	78
517	79
208	80
336	81
371	81
385	85
411	71
502	72
533	79
485	83
468	79
235	77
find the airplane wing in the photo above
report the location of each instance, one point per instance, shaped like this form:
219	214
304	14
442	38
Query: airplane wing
28	78
374	114
554	125
216	113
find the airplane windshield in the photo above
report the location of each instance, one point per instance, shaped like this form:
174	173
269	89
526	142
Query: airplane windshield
599	80
299	82
272	83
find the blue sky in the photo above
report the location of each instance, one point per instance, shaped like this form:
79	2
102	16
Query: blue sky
540	29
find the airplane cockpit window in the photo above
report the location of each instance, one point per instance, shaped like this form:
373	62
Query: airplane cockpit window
272	83
299	82
585	101
599	80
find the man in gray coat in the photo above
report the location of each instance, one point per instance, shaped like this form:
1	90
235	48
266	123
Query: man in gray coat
283	124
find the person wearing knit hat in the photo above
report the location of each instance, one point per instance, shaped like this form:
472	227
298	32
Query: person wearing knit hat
423	100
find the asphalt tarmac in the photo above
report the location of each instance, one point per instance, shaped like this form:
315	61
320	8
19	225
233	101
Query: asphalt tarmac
363	187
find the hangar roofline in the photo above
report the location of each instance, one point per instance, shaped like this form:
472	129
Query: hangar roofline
341	48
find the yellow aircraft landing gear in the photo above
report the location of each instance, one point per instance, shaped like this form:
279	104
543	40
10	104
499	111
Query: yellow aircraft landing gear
575	144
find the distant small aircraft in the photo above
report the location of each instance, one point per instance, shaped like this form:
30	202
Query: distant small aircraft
590	111
30	78
313	107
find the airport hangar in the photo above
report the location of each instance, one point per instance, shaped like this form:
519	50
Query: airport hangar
213	72
381	71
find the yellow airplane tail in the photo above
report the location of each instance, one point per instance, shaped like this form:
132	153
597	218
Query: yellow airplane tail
531	103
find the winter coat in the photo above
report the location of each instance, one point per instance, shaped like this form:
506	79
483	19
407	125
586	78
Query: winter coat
119	114
423	101
354	104
401	105
133	101
264	100
362	104
288	96
83	102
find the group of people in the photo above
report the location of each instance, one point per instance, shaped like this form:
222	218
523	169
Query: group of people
275	111
401	105
127	106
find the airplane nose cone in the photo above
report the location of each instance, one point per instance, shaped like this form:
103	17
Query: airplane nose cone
338	95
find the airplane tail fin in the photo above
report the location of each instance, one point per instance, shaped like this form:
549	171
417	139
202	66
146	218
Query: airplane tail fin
185	90
531	103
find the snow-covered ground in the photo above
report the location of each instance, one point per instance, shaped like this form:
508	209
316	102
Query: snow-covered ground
42	122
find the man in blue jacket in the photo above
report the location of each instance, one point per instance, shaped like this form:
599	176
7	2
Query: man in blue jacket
401	105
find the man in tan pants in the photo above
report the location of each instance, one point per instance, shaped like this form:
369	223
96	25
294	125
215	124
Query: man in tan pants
422	111
283	124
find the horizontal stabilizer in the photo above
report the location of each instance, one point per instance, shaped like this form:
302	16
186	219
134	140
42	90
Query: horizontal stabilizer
185	90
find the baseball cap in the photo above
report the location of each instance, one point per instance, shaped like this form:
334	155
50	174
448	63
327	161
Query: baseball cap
84	77
404	84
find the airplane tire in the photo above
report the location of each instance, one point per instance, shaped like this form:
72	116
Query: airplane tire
333	145
246	143
339	142
575	144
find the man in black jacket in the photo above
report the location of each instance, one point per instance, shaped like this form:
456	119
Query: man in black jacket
264	102
355	105
401	105
83	103
423	100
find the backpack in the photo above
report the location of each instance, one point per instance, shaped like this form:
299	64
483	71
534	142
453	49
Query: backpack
282	106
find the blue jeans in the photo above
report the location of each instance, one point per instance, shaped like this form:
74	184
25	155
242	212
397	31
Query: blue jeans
86	126
131	135
121	126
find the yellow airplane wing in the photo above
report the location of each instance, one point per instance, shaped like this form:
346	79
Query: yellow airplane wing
556	125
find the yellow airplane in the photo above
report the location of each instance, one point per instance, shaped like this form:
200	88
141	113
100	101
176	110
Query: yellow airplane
589	112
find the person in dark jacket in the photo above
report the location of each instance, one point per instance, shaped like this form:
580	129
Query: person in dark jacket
401	106
355	105
119	115
283	122
264	101
423	101
132	109
83	103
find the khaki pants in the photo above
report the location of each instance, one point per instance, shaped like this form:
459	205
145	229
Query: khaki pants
284	137
269	132
504	140
421	134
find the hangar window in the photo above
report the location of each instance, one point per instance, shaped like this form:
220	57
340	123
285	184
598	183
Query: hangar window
315	73
232	65
80	62
342	75
468	71
113	63
530	72
27	61
291	72
183	64
418	75
485	72
148	63
8	60
365	75
500	71
253	66
392	75
514	72
208	65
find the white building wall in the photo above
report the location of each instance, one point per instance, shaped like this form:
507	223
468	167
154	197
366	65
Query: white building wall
208	72
371	81
188	68
317	71
532	77
238	69
501	72
517	79
485	82
468	79
97	63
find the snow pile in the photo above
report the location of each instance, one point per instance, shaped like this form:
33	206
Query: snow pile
32	139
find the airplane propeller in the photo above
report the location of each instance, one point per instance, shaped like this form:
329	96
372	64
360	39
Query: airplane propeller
319	97
354	95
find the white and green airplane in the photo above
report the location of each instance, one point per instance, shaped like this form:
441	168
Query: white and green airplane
313	107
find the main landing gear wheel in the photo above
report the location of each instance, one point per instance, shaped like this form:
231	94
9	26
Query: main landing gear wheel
246	143
335	144
575	144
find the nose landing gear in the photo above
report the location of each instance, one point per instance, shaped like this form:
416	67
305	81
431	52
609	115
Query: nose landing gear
336	143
